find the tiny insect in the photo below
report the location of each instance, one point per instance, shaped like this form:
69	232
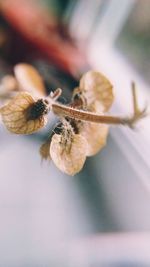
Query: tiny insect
83	124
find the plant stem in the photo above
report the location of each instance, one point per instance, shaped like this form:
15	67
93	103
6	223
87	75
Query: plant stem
135	104
77	114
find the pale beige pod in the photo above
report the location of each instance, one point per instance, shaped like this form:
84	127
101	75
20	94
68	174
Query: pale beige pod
95	135
96	87
68	155
29	79
17	118
9	83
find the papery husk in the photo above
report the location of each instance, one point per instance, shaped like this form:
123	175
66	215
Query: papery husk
16	118
29	79
68	155
9	83
95	135
96	87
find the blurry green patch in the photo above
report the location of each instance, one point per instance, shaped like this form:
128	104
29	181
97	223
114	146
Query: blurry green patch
57	6
135	44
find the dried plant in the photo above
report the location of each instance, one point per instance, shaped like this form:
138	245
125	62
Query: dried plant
83	127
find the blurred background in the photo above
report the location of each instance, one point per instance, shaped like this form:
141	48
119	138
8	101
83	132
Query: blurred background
100	217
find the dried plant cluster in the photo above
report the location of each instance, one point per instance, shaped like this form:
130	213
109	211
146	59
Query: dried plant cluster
83	125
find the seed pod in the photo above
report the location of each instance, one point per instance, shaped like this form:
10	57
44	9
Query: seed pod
96	87
8	88
69	154
9	83
95	135
24	115
29	79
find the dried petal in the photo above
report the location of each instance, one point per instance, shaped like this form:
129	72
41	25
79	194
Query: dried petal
45	150
68	155
96	87
29	79
9	83
8	88
95	135
17	115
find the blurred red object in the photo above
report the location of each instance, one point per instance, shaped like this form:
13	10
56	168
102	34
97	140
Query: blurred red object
43	30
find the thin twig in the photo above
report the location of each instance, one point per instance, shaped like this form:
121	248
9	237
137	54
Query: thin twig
78	114
134	96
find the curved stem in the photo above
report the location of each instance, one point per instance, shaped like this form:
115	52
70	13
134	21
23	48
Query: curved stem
77	114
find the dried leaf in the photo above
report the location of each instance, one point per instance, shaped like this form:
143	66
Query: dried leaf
68	155
15	115
96	87
29	79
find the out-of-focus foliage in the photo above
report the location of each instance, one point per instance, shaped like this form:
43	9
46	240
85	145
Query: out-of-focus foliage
57	6
135	38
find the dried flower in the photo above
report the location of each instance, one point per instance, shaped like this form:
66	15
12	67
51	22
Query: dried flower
83	127
24	115
29	79
68	150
